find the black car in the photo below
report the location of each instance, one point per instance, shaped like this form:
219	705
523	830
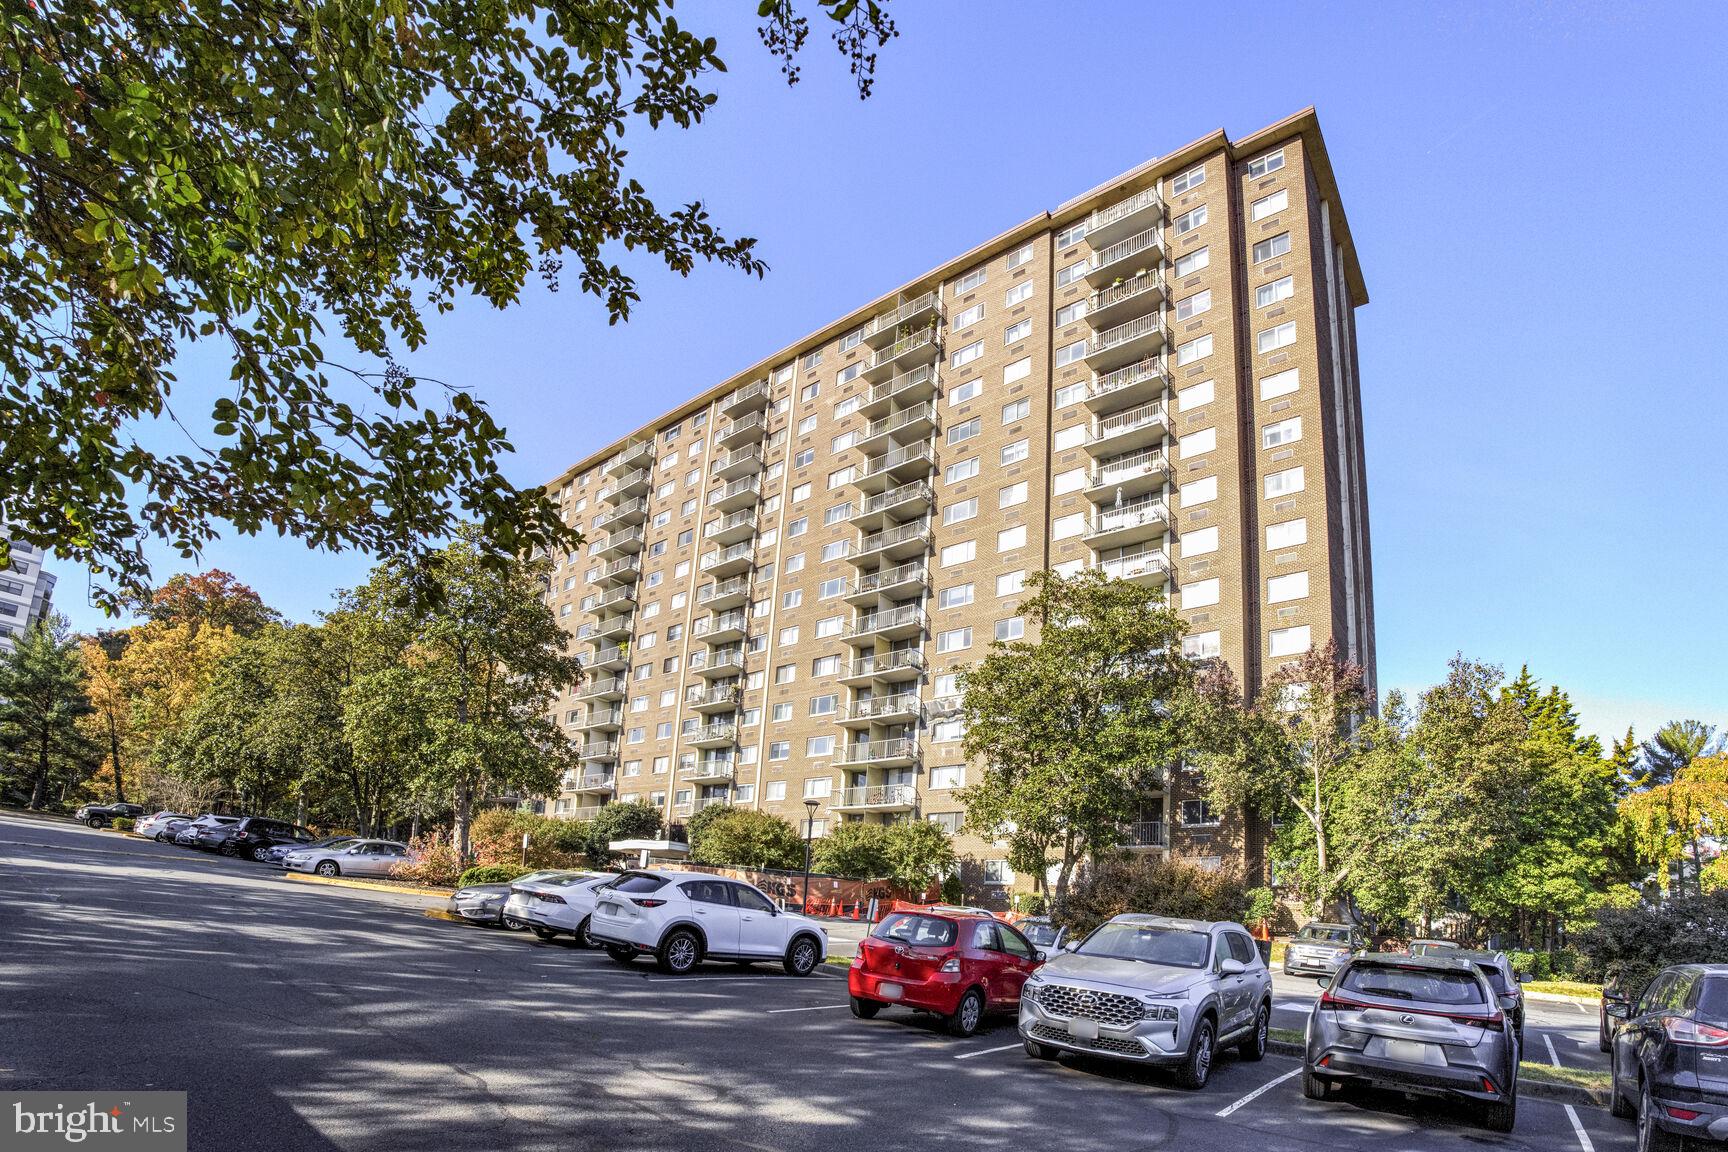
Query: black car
1669	1058
249	836
102	815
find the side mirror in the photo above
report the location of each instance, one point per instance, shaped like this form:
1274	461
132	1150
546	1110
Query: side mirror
1071	946
1524	977
1231	967
1040	955
1618	1009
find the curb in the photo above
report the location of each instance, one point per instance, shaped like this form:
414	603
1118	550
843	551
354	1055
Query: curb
339	882
1534	1089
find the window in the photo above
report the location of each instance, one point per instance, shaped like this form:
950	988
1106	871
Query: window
1288	641
1272	247
1272	339
964	356
848	373
1200	593
792	598
1286	482
851	340
1071	235
1189	220
636	735
997	872
1018	294
1015	452
1202	645
964	510
1269	294
1011	538
1070	394
1266	164
961	393
804	459
947	731
1070	353
848	406
782	713
798	527
1196	349
1015	333
818	787
1071	313
1291	586
819	745
837	513
1192	262
960	553
825	666
948	776
969	282
778	750
960	433
788	635
785	673
1072	480
831	588
1195	396
1068	275
1019	256
1202	491
1011	583
1016	410
968	317
1012	628
795	562
830	626
1198	541
955	640
1197	443
810	391
956	597
1287	535
1279	384
663	730
1188	180
1269	205
813	361
1017	371
807	425
839	479
1191	306
1198	813
774	790
1011	495
1284	432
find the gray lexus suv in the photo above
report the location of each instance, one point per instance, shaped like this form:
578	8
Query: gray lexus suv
1154	990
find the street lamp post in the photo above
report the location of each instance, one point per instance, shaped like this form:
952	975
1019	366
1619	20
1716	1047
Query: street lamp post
809	833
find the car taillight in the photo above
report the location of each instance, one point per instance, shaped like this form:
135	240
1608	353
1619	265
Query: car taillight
549	898
1684	1031
1330	999
646	902
952	964
1682	1113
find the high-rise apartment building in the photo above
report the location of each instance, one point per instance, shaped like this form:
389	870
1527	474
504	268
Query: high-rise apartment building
1157	378
26	593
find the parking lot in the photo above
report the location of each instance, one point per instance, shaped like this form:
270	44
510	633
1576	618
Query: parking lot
299	1016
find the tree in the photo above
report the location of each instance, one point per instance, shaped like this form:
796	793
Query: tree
212	597
636	820
917	852
165	669
854	848
1076	727
41	701
109	721
745	838
1675	745
1626	947
245	174
1669	820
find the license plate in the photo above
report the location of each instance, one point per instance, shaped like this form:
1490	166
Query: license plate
1405	1051
1083	1029
612	909
890	991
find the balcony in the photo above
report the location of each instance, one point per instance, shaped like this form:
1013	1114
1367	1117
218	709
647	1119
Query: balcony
901	466
1141	252
718	735
624	570
709	801
904	503
726	628
620	542
1124	218
876	798
1143	519
585	812
889	624
1134	296
748	399
903	542
639	454
1131	475
899	582
1134	383
897	752
614	658
731	528
617	600
599	750
745	461
1124	431
710	770
630	512
1144	834
1126	343
907	388
889	667
724	594
917	348
898	709
722	699
723	662
589	782
632	483
905	426
730	561
890	326
746	430
742	493
615	628
603	688
1147	566
603	720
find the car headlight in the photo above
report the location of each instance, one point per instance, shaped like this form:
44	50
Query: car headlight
1158	1010
1035	979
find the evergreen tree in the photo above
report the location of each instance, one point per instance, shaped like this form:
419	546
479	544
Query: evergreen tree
41	701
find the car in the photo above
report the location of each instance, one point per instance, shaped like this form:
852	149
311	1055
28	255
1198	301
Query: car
1668	1063
1507	984
484	903
958	964
186	835
1427	946
151	827
529	898
1424	1024
560	905
1606	1020
276	852
1320	949
1045	934
358	858
102	815
1153	990
245	837
682	918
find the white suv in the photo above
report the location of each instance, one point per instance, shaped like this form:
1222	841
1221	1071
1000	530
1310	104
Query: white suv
682	918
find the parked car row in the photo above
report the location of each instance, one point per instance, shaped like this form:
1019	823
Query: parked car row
277	842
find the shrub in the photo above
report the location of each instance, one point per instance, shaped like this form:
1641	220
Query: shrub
1626	947
1262	905
854	849
492	874
122	823
495	837
916	852
1535	963
435	861
1127	883
743	838
953	888
637	820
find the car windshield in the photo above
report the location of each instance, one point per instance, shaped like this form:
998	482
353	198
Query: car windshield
1325	934
331	841
1042	935
634	882
916	929
1496	979
1429	947
1175	947
563	879
1418	985
1712	1000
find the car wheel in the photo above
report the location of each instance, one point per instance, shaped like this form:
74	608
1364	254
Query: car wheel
1651	1137
1618	1105
1315	1087
511	923
968	1014
543	933
679	952
1500	1115
582	937
161	837
1041	1051
328	868
802	957
1196	1067
1254	1047
96	822
229	848
621	954
865	1009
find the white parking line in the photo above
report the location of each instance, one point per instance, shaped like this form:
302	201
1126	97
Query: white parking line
1571	1113
985	1052
812	1008
1258	1092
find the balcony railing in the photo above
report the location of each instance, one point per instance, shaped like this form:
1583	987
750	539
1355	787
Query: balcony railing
615	599
1148	562
697	698
627	565
587	781
1145	462
888	578
904	346
1153	368
586	812
917	414
637	453
889	537
599	750
1136	417
878	796
876	751
1131	515
726	732
883	621
922	376
1103	300
753	426
604	686
899	705
737	586
736	552
894	497
748	457
1103	218
609	655
1145	834
745	397
1125	250
910	454
744	518
1125	333
888	662
889	322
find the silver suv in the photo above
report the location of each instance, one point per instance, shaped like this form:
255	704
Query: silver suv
1155	990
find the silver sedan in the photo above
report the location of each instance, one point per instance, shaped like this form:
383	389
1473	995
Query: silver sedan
361	858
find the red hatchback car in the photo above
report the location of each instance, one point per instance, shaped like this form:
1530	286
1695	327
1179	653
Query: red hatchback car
953	963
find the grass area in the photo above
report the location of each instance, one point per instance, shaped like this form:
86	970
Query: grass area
1565	988
1287	1035
1278	953
836	958
1590	1078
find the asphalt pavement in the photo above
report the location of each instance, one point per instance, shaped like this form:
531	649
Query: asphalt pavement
299	1016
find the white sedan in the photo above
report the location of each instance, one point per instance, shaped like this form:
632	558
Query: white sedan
562	904
359	858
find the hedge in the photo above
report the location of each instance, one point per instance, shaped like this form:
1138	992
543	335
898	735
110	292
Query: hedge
492	874
122	823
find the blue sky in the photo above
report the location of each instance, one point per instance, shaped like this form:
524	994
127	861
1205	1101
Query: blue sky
1532	189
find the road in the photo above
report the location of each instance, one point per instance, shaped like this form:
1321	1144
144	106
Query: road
305	1017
